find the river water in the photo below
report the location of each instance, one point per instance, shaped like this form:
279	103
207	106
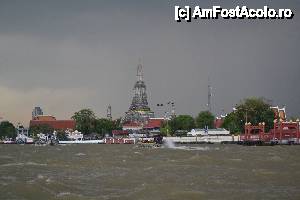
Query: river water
127	172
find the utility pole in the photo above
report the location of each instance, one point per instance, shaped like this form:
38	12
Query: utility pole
173	113
168	115
171	104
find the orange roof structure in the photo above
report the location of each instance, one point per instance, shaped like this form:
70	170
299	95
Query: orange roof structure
52	122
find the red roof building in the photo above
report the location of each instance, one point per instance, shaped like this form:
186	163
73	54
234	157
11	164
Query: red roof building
151	124
154	123
219	122
132	126
120	133
53	122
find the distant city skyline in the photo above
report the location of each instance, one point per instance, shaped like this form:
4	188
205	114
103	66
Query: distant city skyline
68	55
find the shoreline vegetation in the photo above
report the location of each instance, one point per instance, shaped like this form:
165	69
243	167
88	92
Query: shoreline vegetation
254	110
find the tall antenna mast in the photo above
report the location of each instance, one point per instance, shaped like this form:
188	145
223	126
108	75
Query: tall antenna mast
173	109
108	112
209	96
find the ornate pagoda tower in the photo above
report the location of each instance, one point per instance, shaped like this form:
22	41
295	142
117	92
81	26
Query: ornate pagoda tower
139	111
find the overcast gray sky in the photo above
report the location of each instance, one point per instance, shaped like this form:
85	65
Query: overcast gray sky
67	55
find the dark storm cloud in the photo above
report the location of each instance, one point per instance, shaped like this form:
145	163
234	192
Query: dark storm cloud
49	48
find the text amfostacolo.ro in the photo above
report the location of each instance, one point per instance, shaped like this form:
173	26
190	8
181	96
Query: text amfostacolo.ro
188	13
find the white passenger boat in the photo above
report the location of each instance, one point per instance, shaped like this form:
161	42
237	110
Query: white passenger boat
208	132
24	139
81	142
76	137
206	136
23	135
44	139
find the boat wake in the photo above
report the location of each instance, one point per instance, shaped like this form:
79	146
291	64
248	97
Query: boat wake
189	148
80	154
168	143
23	164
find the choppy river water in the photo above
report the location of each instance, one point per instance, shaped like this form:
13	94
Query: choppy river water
126	172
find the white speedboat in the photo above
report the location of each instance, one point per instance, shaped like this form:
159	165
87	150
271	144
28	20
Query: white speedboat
8	141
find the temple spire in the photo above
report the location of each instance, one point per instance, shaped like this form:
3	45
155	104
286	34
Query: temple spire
139	110
139	71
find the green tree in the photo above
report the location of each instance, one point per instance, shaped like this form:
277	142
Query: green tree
231	123
165	129
293	118
118	124
85	120
205	118
42	128
61	135
253	110
181	122
7	129
104	126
